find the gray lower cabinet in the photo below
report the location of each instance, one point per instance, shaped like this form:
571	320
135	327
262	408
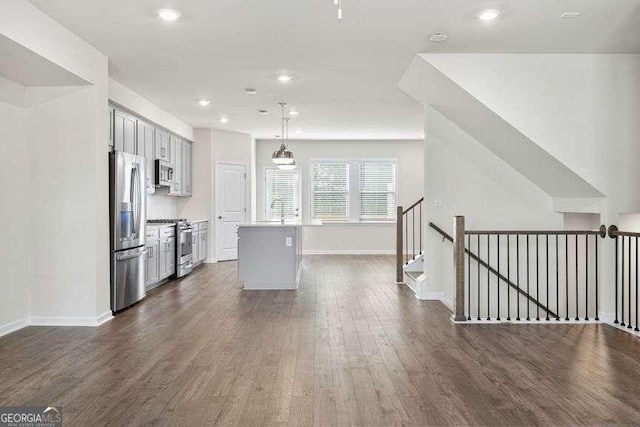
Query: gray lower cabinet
153	263
168	255
202	247
195	246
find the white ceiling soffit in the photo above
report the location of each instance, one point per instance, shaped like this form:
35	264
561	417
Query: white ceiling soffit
344	72
430	86
28	69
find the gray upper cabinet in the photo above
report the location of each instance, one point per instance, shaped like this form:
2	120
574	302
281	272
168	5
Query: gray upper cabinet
187	172
176	150
124	132
163	145
135	135
111	112
146	148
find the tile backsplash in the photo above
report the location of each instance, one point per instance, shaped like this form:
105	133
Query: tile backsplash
161	206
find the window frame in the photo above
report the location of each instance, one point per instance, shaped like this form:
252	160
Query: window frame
353	189
267	191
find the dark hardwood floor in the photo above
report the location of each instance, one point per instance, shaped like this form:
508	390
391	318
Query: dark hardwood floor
350	347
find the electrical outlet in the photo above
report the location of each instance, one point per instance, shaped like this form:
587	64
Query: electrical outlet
437	201
289	242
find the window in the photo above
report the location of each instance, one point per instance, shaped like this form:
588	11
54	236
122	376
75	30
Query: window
377	190
353	190
284	188
330	190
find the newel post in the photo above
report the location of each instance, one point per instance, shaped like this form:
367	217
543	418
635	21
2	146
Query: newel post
459	266
399	243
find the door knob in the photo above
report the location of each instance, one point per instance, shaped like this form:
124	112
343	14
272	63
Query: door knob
220	217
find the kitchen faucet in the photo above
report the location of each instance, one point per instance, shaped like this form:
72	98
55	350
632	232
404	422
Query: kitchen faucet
273	203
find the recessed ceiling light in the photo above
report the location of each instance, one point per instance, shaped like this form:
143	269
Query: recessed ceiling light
250	91
294	113
169	15
263	112
298	130
284	78
489	15
224	120
204	102
569	15
438	37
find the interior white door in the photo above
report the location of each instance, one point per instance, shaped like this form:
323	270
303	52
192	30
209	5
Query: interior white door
231	208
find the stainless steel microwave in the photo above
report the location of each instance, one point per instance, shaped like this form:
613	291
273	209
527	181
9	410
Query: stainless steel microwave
164	173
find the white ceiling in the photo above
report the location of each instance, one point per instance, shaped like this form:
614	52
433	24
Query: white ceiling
345	72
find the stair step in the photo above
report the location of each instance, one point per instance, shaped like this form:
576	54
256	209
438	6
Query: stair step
414	274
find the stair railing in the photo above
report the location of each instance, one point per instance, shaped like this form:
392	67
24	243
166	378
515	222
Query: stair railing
556	283
408	236
626	297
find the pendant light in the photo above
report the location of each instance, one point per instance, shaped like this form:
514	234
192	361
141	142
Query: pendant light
282	156
292	165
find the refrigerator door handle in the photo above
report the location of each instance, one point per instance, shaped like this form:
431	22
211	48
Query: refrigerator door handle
135	255
135	198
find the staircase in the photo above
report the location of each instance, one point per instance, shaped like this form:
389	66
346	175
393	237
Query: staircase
409	253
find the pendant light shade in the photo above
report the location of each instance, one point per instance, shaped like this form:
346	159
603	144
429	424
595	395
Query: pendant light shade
288	167
282	156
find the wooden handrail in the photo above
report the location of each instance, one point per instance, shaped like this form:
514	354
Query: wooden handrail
404	212
602	232
445	235
614	232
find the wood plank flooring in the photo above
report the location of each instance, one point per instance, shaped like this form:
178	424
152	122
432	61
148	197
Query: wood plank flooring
350	347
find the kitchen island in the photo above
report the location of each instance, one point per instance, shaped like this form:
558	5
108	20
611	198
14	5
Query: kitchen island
270	254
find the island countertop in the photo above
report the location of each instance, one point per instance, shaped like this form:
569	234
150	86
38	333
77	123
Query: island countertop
276	224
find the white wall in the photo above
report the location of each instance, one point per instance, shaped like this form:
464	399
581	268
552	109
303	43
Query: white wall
66	210
135	102
14	203
211	146
347	238
471	181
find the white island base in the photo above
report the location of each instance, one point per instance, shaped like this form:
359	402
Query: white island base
270	255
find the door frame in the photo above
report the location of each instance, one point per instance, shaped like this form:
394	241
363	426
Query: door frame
214	199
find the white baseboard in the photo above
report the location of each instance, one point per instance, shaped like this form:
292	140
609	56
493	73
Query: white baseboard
209	261
70	321
348	252
12	326
15	325
437	296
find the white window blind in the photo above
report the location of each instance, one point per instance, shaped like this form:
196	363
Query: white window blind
377	190
283	188
330	190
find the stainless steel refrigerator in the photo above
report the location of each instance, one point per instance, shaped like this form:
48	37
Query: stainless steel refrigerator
127	209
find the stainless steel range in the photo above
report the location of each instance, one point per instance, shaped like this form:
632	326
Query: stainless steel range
184	248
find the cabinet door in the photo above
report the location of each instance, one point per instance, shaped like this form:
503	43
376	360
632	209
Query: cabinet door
146	148
176	150
125	131
153	263
110	126
171	256
202	250
187	173
162	149
195	245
